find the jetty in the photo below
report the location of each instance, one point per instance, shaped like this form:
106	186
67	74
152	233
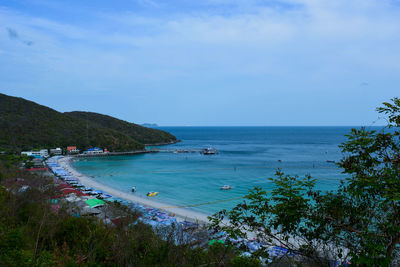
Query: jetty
152	150
109	154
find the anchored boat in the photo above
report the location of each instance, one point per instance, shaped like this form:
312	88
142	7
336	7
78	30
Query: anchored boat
208	151
225	187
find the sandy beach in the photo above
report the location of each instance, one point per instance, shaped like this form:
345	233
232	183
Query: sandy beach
181	213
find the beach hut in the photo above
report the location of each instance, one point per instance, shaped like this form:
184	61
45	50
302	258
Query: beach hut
94	202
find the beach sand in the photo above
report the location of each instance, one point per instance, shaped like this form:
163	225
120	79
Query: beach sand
181	213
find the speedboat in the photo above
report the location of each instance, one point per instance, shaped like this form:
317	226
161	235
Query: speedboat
208	151
225	187
152	194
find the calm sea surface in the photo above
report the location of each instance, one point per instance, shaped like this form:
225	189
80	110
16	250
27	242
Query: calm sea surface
247	157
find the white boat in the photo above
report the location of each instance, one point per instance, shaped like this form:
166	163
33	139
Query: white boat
226	187
209	151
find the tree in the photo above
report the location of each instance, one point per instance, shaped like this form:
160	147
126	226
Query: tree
359	222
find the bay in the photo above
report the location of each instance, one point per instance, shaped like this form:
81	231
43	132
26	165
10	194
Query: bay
247	157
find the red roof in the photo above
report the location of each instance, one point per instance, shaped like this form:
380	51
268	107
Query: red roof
69	148
67	191
63	186
38	169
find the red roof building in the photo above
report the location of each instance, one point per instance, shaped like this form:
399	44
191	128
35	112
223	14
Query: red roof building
72	149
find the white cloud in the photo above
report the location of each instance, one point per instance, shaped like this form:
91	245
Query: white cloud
310	46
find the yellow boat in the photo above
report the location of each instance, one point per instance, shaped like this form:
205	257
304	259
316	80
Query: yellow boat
152	194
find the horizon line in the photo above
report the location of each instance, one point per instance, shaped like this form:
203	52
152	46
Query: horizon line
267	125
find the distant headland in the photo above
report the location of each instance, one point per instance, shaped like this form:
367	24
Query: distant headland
151	125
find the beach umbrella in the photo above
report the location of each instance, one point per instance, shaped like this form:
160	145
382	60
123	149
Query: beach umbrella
94	202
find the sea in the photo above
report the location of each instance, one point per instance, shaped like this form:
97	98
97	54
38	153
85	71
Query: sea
247	157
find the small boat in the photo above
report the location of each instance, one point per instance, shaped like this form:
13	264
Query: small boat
225	187
152	194
330	161
208	151
133	189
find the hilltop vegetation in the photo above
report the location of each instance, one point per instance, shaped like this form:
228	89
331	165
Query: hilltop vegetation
137	132
26	125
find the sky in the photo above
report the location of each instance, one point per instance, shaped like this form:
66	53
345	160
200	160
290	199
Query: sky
205	63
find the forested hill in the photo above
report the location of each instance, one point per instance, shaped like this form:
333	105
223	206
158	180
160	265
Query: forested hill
27	125
139	133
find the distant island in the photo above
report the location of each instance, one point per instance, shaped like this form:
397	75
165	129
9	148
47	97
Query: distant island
151	125
26	125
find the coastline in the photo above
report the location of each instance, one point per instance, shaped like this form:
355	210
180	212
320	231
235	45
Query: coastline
181	213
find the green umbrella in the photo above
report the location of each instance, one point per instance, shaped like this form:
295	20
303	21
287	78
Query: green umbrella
94	202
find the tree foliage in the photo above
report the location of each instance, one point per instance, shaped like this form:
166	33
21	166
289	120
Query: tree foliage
137	132
359	222
26	125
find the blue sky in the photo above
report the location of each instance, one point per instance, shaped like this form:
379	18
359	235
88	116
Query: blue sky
211	62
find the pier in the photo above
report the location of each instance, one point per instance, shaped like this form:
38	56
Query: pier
152	150
109	154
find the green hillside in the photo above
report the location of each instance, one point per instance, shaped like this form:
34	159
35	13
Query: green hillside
26	125
135	131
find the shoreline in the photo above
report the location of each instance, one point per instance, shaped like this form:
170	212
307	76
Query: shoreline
181	214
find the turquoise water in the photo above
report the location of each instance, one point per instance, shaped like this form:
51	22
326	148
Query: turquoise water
247	157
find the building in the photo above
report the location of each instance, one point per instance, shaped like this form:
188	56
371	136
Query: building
72	150
56	151
94	150
43	153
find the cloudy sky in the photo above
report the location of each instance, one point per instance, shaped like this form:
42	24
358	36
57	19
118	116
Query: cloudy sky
211	62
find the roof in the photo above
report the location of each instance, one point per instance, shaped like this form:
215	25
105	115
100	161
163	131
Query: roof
67	191
93	149
94	202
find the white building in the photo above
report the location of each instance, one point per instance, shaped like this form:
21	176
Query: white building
43	153
94	150
56	151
